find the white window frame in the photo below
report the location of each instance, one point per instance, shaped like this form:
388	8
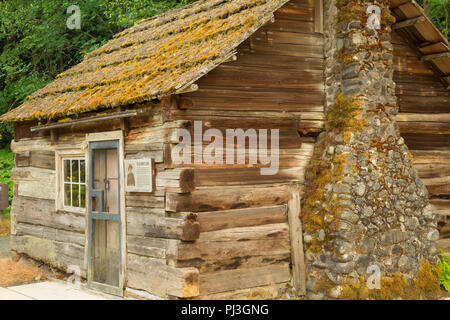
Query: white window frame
62	155
71	183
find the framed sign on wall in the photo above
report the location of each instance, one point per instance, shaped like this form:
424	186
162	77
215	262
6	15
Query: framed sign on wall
139	175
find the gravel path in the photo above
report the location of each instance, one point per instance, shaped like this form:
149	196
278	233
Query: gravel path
4	247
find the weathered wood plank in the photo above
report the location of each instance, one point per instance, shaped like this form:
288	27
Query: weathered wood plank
153	275
145	246
43	232
230	280
36	158
158	226
218	220
57	254
144	200
179	180
226	198
37	189
442	206
242	247
42	212
296	241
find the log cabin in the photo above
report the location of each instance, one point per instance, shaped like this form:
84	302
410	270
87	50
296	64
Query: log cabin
99	186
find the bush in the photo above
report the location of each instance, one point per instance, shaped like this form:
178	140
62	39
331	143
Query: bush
444	265
6	165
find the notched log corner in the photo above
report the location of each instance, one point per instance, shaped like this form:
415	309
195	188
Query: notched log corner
190	228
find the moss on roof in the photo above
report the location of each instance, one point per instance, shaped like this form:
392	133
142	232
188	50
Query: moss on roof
154	58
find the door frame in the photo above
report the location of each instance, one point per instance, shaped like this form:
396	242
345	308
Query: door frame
101	137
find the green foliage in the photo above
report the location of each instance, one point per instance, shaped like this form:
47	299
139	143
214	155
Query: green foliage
124	13
6	165
444	265
36	45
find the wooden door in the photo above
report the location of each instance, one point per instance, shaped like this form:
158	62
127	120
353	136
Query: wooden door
104	217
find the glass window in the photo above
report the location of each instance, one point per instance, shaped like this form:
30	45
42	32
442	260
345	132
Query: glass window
74	183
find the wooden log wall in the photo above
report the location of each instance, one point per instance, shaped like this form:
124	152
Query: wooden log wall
424	121
276	82
207	231
37	228
58	238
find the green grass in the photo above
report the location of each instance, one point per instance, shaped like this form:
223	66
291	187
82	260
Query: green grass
6	164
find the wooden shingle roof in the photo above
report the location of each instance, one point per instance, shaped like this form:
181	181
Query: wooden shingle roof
156	57
166	54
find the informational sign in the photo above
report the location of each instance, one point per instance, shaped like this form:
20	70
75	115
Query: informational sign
139	175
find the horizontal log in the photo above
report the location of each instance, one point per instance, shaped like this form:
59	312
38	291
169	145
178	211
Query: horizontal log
145	246
42	212
244	176
218	220
67	141
230	280
436	181
225	198
23	229
408	23
179	180
37	189
144	200
154	135
237	247
60	255
435	56
157	226
19	174
431	142
442	206
36	158
157	155
292	157
155	277
433	170
269	292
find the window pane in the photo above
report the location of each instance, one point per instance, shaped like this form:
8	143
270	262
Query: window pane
75	195
82	196
67	194
66	170
75	170
83	171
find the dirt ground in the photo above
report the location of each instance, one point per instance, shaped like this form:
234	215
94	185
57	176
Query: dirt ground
5	227
12	273
16	270
4	247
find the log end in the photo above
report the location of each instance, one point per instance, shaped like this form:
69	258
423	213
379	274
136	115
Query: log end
190	284
190	229
187	183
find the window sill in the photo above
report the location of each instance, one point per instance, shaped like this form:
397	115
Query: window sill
79	211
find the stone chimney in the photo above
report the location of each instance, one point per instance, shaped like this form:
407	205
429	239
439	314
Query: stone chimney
365	209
